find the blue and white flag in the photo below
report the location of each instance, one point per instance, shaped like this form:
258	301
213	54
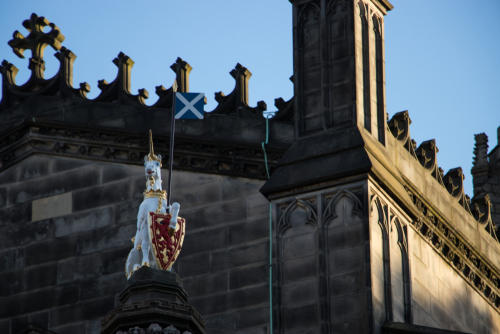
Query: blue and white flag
189	105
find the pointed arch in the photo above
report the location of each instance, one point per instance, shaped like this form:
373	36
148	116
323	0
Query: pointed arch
329	213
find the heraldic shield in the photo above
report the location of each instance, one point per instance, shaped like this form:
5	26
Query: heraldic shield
165	242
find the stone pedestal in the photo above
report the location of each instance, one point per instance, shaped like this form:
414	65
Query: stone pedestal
154	301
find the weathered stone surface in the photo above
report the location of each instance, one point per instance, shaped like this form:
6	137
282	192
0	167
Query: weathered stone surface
50	186
76	269
32	278
301	316
248	231
12	260
101	196
208	284
202	241
26	233
81	222
83	311
38	300
106	285
17	214
247	276
52	250
234	257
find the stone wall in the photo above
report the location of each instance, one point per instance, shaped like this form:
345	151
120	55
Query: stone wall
65	230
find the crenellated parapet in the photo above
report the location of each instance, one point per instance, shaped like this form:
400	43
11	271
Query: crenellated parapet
236	103
480	207
119	90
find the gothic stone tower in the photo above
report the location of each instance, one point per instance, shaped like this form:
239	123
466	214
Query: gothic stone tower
370	236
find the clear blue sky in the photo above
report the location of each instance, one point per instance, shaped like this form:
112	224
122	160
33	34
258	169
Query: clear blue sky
441	56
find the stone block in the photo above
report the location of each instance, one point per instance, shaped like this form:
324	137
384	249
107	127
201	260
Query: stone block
299	293
54	185
346	284
308	330
13	259
40	319
299	246
53	206
207	284
182	179
115	172
5	326
106	285
300	269
240	186
74	328
82	311
101	195
247	276
450	300
3	197
28	279
398	309
346	260
422	318
349	326
347	306
256	330
206	240
421	295
345	236
38	300
211	215
456	325
52	250
235	257
198	195
257	206
59	164
78	268
193	265
231	300
107	237
221	323
85	221
22	234
113	261
302	316
18	323
253	317
32	167
248	231
17	214
127	212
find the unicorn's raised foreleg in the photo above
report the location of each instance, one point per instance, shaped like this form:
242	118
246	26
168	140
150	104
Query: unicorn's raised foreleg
174	211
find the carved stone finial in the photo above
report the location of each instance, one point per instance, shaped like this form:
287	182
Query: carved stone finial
236	103
481	170
427	155
286	110
454	183
36	41
119	89
400	128
481	210
182	71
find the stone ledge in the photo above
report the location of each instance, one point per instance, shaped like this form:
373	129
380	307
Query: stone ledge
402	328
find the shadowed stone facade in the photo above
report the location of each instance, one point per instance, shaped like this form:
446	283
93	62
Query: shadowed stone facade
369	235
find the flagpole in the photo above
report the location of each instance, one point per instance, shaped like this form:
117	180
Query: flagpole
171	152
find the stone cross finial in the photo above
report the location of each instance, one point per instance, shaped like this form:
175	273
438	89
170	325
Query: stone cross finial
36	41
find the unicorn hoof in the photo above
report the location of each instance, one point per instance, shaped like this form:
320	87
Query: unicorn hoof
145	264
136	267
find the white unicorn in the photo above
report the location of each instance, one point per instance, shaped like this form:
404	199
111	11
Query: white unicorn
154	201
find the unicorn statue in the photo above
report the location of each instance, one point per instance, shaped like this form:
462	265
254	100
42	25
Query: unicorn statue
159	235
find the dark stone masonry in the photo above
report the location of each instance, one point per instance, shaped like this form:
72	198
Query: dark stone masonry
369	234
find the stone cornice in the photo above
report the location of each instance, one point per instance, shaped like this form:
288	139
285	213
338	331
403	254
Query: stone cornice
128	147
454	248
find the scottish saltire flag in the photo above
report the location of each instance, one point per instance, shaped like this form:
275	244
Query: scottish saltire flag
189	105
